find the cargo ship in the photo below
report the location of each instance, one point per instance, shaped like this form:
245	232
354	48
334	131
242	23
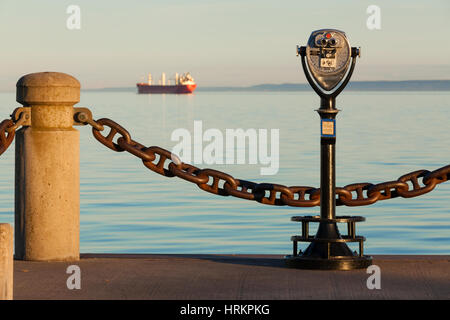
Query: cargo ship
181	84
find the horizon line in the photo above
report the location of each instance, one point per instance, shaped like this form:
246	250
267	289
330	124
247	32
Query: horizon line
271	84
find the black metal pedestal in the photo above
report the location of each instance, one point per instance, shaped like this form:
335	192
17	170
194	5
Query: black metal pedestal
328	249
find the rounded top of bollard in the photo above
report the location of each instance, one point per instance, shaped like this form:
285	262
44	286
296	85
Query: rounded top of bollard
48	88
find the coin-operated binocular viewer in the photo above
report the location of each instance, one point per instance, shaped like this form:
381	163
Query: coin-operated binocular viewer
328	62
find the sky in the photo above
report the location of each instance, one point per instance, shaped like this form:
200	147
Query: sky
222	43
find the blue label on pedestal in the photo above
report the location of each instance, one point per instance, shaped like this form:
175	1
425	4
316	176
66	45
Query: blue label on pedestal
328	128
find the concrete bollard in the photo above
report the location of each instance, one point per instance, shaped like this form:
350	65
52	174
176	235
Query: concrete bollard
6	261
47	191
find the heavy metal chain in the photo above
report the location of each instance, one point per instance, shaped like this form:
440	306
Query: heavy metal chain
8	129
168	164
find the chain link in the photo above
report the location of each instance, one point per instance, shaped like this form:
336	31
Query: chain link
8	131
6	134
220	183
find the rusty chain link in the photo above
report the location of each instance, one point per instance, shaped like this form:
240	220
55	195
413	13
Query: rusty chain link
220	183
8	129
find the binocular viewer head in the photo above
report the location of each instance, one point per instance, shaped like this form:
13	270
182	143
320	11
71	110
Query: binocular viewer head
328	55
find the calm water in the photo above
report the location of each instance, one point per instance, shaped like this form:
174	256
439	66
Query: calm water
381	136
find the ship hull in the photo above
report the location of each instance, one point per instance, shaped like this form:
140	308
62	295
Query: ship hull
178	89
